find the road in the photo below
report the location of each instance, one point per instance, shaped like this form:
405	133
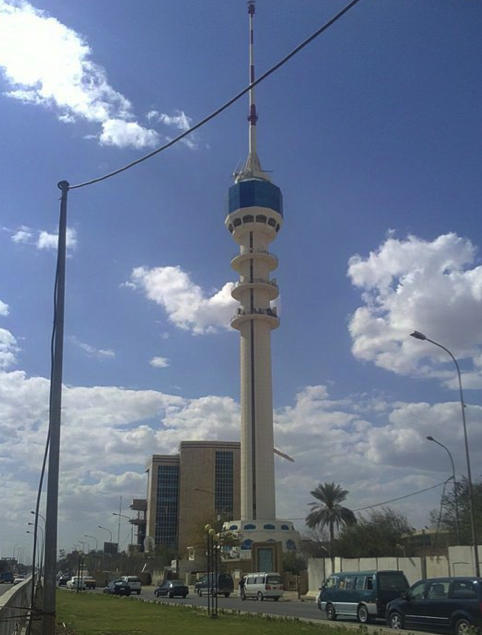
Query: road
5	587
285	607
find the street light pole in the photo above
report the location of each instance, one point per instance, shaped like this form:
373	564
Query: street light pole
457	525
130	520
55	416
96	541
420	336
105	529
39	515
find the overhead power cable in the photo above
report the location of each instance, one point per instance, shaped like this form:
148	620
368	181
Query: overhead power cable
227	104
392	500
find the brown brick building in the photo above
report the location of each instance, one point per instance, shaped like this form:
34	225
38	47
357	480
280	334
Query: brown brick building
184	490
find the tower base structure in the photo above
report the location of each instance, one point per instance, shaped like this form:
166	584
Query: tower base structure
260	534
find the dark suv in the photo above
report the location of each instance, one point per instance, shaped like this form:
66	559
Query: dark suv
440	605
224	584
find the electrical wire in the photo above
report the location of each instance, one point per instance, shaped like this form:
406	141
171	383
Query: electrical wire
225	105
392	500
399	498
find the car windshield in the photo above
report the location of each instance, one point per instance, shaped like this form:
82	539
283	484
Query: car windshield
177	582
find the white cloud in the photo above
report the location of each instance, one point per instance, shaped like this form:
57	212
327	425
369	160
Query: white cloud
50	241
90	351
159	362
180	121
375	450
8	346
46	63
118	132
22	235
41	239
185	303
434	287
4	308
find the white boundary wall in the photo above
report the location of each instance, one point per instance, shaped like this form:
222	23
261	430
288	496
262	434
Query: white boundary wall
459	562
14	608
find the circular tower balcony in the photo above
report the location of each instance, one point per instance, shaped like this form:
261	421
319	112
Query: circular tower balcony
245	315
260	254
269	287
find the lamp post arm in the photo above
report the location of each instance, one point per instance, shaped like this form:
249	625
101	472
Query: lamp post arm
457	523
467	455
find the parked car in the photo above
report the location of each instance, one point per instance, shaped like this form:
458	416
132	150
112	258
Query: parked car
89	582
133	581
262	586
360	594
171	589
63	579
19	578
117	587
76	582
222	585
439	604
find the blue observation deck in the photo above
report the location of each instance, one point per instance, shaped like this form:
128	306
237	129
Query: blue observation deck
255	193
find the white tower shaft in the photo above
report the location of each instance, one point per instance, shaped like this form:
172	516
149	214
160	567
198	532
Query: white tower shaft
254	218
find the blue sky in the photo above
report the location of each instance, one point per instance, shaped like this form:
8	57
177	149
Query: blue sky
373	133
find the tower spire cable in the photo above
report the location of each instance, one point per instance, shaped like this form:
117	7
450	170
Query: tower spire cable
252	168
227	104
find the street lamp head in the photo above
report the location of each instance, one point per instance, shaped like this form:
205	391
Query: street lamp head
430	438
418	336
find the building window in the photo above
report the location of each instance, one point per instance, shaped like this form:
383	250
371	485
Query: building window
224	484
167	507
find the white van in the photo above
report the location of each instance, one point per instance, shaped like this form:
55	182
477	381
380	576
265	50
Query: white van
262	585
133	581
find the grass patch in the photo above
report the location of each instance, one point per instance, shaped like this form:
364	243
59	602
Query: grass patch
96	614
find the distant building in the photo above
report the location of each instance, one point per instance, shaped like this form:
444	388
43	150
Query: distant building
187	489
139	505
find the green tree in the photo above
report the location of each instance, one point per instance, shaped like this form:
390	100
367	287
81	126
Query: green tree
458	500
328	510
293	562
382	533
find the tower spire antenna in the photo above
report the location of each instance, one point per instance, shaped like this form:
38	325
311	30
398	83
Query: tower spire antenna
252	168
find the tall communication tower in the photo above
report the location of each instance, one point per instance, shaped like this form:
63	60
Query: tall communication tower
255	215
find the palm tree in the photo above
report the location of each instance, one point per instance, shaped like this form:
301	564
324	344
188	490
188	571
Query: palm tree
329	512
